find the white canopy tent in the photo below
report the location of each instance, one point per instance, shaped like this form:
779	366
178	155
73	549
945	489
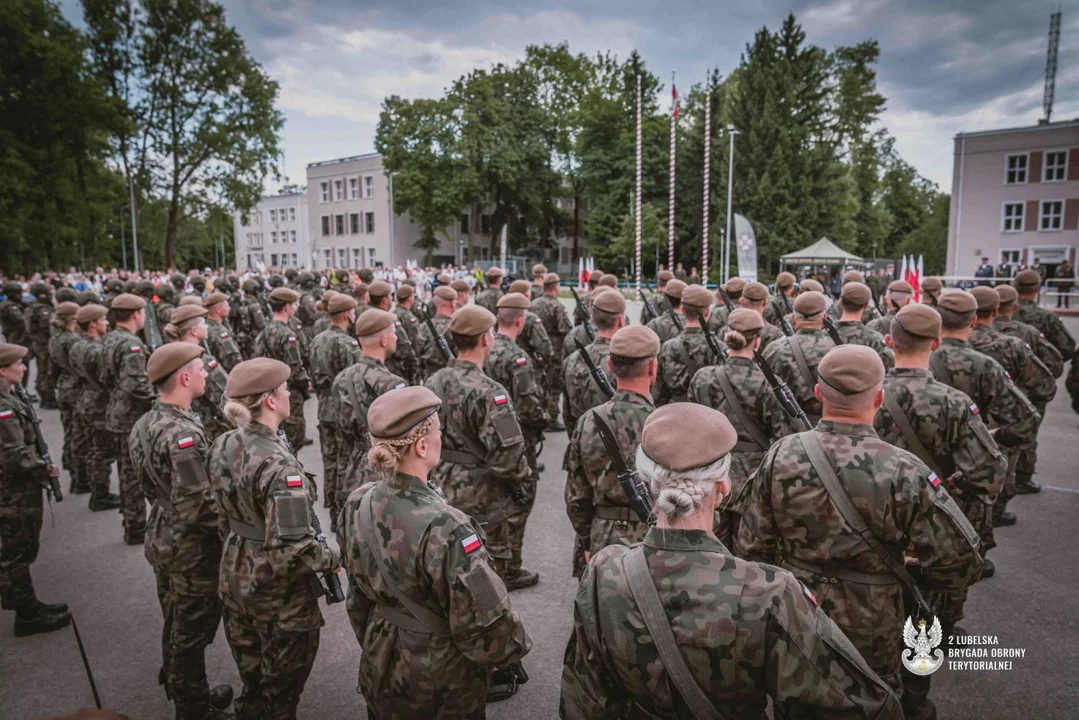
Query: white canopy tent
822	252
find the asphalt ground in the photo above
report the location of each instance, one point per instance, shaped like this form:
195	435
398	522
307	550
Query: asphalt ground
1031	605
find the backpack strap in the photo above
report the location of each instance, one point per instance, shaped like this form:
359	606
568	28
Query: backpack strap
800	360
748	423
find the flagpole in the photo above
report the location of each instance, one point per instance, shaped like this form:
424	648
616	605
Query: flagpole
707	175
670	210
637	196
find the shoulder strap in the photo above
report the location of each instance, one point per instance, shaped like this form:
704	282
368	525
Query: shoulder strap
434	623
800	359
748	423
655	619
914	443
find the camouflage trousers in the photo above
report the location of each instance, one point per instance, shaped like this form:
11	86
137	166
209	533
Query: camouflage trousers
1007	492
46	383
21	505
552	385
190	623
68	459
294	426
132	497
94	450
327	441
273	662
515	528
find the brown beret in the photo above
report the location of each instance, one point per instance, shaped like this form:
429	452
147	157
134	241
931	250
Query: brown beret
932	284
514	301
986	297
127	301
460	286
404	292
851	369
755	291
595	276
522	287
856	293
674	289
444	279
610	302
551	279
494	272
785	280
919	320
666	276
170	357
1028	279
697	296
444	292
190	300
379	289
394	414
284	294
853	276
374	321
9	353
538	269
667	431
472	320
256	376
340	303
900	286
359	290
635	341
958	301
610	280
1007	294
67	309
811	285
91	312
735	285
596	292
213	299
186	312
745	321
810	303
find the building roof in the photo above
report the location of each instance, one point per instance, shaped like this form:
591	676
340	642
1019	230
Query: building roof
1064	125
822	252
338	161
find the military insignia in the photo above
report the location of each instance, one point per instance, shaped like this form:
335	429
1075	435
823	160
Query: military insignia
522	361
294	481
398	386
224	335
471	544
212	364
413	320
292	338
933	479
922	656
7	414
136	348
397	324
974	408
355	343
185	442
808	593
501	399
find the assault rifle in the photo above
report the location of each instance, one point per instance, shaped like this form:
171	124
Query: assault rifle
783	392
727	302
640	499
710	337
589	327
783	324
652	309
833	332
153	333
440	341
598	375
39	441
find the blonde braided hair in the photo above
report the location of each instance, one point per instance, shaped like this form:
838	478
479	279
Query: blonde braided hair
386	453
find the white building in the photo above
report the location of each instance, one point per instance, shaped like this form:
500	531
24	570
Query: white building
276	233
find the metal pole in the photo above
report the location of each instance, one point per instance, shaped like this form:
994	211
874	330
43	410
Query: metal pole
730	184
123	241
707	177
393	250
134	224
670	209
637	196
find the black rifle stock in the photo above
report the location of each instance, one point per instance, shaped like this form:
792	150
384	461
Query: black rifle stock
440	341
833	332
652	309
710	337
786	326
589	327
39	442
153	333
637	493
727	302
597	374
782	391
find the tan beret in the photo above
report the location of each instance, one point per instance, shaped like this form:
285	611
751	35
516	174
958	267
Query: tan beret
785	280
856	292
494	272
932	284
851	369
900	286
374	321
745	321
444	292
256	376
595	276
610	302
538	269
522	287
551	279
919	320
284	294
958	301
986	297
190	300
359	290
186	312
91	312
514	301
213	299
9	353
735	285
610	280
340	303
635	341
599	291
697	296
755	291
394	414
1028	280
666	276
460	286
444	279
379	289
853	276
1007	294
810	303
674	289
472	320
170	357
811	285
67	309
685	436
404	292
127	301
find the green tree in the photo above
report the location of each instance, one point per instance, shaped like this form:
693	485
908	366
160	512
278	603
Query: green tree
930	237
653	238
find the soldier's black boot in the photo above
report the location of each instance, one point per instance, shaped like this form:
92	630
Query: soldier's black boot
221	696
1003	519
557	426
988	569
523	579
52	608
39	621
1027	487
107	501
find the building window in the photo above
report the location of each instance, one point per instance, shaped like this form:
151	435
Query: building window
324	192
342	257
1017	170
370	256
1052	214
293	237
339	224
1010	257
338	190
1013	217
273	260
356	260
292	214
273	215
369	222
354	223
353	188
295	260
368	186
1055	164
325	225
327	257
273	237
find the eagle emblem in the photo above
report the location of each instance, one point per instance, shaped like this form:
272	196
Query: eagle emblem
922	656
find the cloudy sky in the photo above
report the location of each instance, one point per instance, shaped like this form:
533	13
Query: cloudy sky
946	66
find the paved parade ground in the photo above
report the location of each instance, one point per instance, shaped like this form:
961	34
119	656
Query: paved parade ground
1030	606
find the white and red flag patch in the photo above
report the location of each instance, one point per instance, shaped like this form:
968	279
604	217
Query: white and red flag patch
292	338
7	414
471	543
974	408
933	479
501	399
136	348
185	442
521	361
224	335
294	481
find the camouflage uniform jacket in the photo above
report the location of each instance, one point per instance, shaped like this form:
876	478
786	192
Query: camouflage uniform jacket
163	313
1027	371
22	470
591	478
777	309
124	376
580	393
717	318
430	357
67	384
1045	350
815	345
679	360
87	359
853	332
13	322
758	401
332	351
352	392
223	345
489	299
662	304
1047	322
182	533
250	322
982	378
556	322
257	482
950	427
748	631
210	406
307	313
569	344
882	325
535	292
408	321
512	368
39	327
788	518
535	340
667	327
438	559
280	342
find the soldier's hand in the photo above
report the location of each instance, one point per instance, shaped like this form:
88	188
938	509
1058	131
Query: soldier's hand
54	471
522	494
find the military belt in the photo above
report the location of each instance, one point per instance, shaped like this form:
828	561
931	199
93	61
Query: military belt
834	572
403	621
615	512
460	457
244	530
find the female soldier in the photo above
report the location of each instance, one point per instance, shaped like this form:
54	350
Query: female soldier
738	389
187	324
431	615
749	631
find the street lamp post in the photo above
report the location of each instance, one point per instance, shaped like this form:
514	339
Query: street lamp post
730	184
393	250
123	240
134	224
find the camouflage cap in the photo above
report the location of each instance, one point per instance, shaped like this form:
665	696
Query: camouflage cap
986	297
667	431
674	289
460	286
493	273
1007	294
811	285
379	289
256	376
958	301
191	300
755	292
785	280
169	358
472	320
444	292
373	322
697	296
67	310
186	312
551	279
522	287
810	304
538	270
919	320
735	286
394	415
932	284
1027	280
213	299
856	293
849	375
90	312
609	279
405	292
610	302
665	276
127	301
9	353
900	286
515	301
853	276
340	303
284	294
636	342
745	321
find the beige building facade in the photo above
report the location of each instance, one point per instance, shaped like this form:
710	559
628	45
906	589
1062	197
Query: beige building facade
275	233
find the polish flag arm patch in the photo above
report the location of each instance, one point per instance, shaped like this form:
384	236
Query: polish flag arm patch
501	399
136	348
185	442
933	479
292	338
294	481
522	361
471	544
7	414
224	335
974	408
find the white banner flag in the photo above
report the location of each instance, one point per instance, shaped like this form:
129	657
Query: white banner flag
746	243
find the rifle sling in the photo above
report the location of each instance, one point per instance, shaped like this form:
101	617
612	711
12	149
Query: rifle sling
609	442
800	360
748	423
164	492
914	443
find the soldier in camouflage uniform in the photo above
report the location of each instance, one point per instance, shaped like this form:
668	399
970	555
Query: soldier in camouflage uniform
717	318
219	337
783	301
428	610
489	298
657	299
92	441
597	506
38	326
721	607
114	287
755	298
685	354
1027	284
868	312
463	292
403	361
931	289
1006	323
595	281
307	312
130	396
552	313
410	324
740	391
250	318
188	325
165	305
580	332
67	388
484	470
914	517
900	294
794	359
322	320
332	351
13	321
580	392
168	454
539	276
853	303
279	341
427	352
534	340
272	556
670	324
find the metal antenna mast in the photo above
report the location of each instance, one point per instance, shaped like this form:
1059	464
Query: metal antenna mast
1051	65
